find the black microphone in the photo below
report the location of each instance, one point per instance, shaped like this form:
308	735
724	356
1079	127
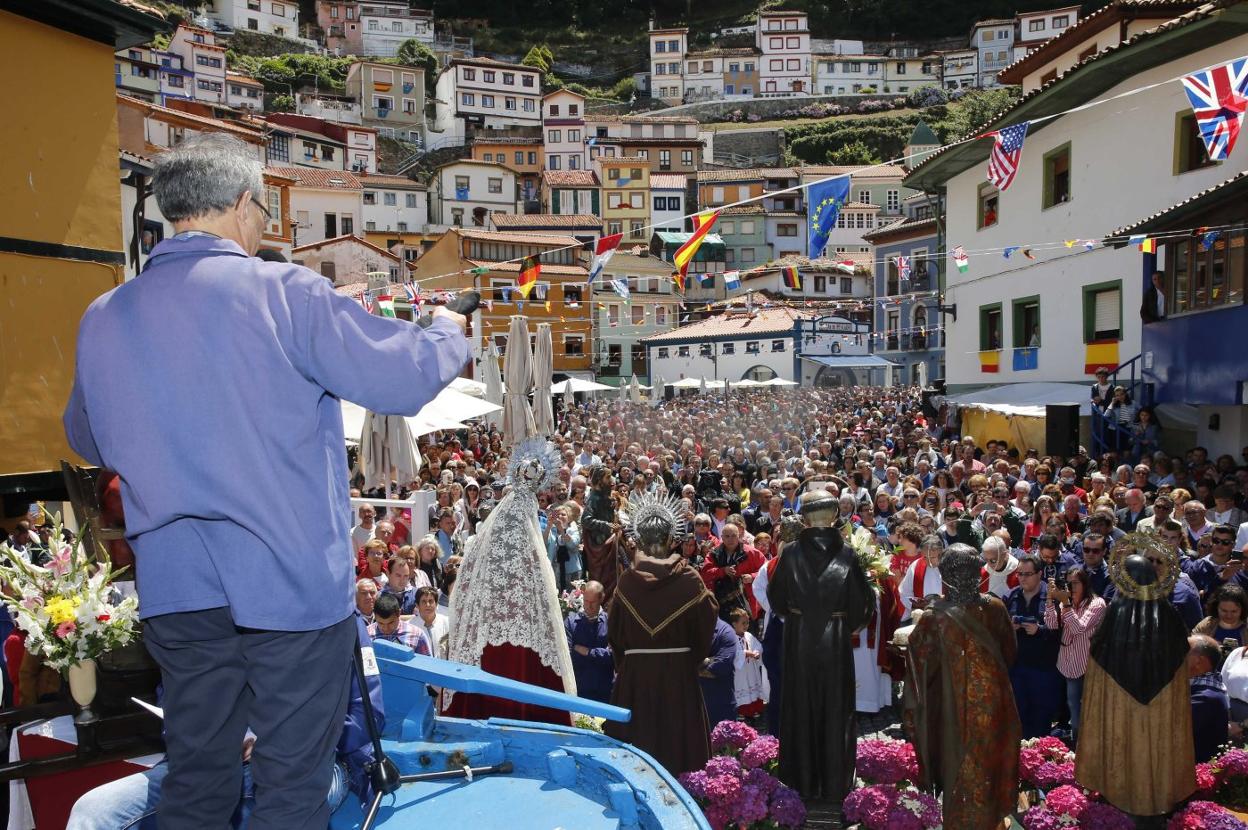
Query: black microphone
466	303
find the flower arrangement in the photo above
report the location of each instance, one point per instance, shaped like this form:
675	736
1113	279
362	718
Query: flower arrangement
1204	815
1069	806
886	761
66	608
869	557
890	807
572	600
736	788
1230	779
1046	763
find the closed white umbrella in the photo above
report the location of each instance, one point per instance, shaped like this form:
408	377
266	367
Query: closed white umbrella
543	367
517	375
569	400
388	450
702	386
493	382
634	390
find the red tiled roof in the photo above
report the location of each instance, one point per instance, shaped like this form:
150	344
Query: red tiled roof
668	181
902	228
347	238
730	175
570	178
859	171
553	240
570	221
351	289
320	179
765	322
216	124
557	270
384	180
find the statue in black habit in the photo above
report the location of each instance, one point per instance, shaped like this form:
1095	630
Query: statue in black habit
824	596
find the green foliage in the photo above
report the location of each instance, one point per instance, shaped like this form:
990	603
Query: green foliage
284	73
539	57
551	82
281	103
624	89
975	109
579	89
855	153
414	53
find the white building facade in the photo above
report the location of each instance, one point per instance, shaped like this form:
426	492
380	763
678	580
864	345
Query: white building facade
1080	305
385	26
325	204
667	201
994	42
784	40
394	204
959	68
480	93
667	60
563	123
466	192
201	55
269	17
1034	28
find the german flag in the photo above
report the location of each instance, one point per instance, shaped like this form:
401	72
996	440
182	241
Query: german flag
792	277
529	269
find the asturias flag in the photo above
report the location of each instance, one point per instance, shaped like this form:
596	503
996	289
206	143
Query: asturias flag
701	227
825	200
529	269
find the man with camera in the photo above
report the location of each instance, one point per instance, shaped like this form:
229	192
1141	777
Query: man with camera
1038	686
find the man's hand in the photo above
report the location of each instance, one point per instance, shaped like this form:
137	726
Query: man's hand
1031	629
458	319
581	650
1230	569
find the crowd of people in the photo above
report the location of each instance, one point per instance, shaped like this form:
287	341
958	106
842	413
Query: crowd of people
1044	527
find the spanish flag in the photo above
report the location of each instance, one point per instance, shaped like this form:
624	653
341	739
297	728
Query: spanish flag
792	277
990	361
529	269
684	254
679	279
1100	353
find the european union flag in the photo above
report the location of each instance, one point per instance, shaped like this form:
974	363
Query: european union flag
824	201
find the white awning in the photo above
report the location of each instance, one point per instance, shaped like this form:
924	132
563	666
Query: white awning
1027	399
447	411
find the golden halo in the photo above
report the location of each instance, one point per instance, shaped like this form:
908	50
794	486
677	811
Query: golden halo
1144	543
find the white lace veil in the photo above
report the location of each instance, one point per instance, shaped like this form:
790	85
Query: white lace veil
505	591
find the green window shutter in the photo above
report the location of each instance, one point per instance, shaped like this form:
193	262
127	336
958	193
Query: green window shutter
593	198
554	201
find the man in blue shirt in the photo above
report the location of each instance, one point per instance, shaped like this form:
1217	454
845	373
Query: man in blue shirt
591	653
212	377
1038	686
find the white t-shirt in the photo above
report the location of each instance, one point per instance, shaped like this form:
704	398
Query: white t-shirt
360	536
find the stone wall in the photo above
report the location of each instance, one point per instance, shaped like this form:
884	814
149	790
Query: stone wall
712	111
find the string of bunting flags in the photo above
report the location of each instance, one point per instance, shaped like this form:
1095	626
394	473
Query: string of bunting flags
1218	95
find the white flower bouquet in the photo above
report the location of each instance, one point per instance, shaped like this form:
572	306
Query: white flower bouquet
67	608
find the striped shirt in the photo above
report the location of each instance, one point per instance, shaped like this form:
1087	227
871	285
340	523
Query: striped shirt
1077	629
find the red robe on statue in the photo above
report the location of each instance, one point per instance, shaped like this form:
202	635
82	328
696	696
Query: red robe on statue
515	663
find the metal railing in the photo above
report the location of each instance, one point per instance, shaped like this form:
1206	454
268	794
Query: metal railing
1130	375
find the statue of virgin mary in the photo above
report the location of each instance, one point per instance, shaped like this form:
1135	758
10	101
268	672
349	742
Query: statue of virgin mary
505	605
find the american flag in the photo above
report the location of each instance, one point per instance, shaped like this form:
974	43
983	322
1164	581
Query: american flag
903	268
1007	149
1219	97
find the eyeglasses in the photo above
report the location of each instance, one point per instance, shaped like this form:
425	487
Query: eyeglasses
1218	541
1094	550
1027	573
268	217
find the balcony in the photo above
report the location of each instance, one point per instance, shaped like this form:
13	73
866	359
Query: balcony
916	342
892	343
394	11
407	88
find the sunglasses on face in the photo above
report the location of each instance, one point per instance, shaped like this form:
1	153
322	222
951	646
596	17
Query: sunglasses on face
1028	573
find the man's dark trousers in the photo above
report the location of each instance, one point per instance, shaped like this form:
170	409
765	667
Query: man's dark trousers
289	687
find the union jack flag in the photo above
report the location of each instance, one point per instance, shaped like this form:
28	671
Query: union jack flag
903	268
412	293
1219	97
1007	149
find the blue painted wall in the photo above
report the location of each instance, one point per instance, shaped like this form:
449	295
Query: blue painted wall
934	355
1198	358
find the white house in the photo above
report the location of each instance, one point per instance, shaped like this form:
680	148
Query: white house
847	74
270	17
821	281
959	68
621	326
243	92
563	122
1034	28
667	201
393	203
784	39
346	259
704	76
667	61
1078	180
481	93
324	203
385	26
759	344
201	54
465	192
994	41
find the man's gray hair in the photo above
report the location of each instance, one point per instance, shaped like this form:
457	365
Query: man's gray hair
206	174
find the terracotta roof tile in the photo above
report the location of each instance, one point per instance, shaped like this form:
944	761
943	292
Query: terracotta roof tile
345	238
556	270
754	209
553	240
384	180
730	175
1195	197
320	179
570	178
767	321
860	171
570	221
668	181
216	124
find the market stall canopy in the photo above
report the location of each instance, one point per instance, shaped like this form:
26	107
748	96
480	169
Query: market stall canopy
1026	399
578	385
447	411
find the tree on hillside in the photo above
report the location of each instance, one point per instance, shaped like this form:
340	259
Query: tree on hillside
414	53
539	57
975	109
